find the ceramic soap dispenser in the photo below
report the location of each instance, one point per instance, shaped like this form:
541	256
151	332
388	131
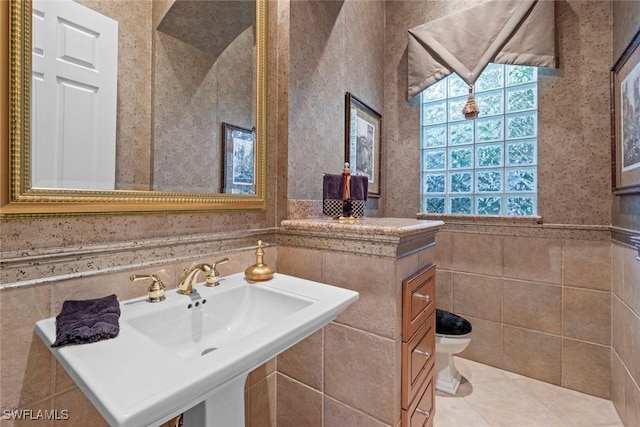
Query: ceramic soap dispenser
259	271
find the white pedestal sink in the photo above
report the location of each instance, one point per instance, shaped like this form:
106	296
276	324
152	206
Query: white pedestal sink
192	354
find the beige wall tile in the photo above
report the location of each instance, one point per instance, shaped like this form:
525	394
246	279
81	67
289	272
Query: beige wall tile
337	414
477	296
617	268
62	380
533	354
260	373
533	306
444	249
619	330
477	253
626	340
81	411
407	266
486	342
26	361
260	403
427	256
587	315
631	360
300	262
621	261
631	290
632	404
375	280
297	405
303	361
586	367
363	371
618	379
534	259
587	264
444	290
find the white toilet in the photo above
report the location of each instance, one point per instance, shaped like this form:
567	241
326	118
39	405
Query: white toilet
447	376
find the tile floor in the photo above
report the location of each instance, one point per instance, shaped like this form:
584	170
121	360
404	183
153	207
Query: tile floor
490	397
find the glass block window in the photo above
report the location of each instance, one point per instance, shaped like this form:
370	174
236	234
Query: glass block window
486	166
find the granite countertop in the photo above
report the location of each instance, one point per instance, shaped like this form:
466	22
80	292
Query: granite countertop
392	227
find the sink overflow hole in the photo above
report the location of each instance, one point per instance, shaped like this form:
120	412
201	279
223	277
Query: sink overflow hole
208	350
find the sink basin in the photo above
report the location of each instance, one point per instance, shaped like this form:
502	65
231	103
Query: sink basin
191	330
191	354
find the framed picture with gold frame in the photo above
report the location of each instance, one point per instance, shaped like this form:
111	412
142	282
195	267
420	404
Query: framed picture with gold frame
239	156
363	131
625	120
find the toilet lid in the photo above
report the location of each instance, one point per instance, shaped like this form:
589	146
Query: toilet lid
451	324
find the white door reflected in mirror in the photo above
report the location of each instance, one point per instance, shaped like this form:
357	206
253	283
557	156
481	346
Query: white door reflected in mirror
74	93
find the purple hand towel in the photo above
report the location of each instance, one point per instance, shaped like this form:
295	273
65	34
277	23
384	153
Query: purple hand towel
359	187
85	321
331	187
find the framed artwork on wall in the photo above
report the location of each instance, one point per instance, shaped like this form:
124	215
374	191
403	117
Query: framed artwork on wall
625	120
362	143
239	168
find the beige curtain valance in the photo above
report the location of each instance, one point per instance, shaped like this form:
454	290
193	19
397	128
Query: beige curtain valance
507	32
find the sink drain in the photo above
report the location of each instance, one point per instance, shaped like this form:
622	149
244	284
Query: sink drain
208	350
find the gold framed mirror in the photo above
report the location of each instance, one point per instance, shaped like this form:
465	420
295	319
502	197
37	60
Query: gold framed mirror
20	197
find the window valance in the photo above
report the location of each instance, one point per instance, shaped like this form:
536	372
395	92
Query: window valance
518	32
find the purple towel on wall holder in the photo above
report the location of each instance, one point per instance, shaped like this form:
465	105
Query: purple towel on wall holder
332	186
359	187
332	195
86	321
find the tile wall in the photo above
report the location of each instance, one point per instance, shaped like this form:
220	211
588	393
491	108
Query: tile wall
625	333
540	304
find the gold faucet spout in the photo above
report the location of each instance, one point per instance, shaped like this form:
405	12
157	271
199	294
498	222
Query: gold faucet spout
188	282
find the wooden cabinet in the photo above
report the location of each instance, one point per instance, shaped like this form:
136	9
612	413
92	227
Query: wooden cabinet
418	348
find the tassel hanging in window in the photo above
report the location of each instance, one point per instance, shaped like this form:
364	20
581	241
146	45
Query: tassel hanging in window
470	109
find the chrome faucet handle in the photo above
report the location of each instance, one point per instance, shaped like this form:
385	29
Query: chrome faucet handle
156	289
213	278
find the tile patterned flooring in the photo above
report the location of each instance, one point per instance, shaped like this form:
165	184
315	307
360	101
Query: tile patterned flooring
491	397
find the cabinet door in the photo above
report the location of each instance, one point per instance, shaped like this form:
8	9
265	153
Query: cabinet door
418	357
418	300
421	411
